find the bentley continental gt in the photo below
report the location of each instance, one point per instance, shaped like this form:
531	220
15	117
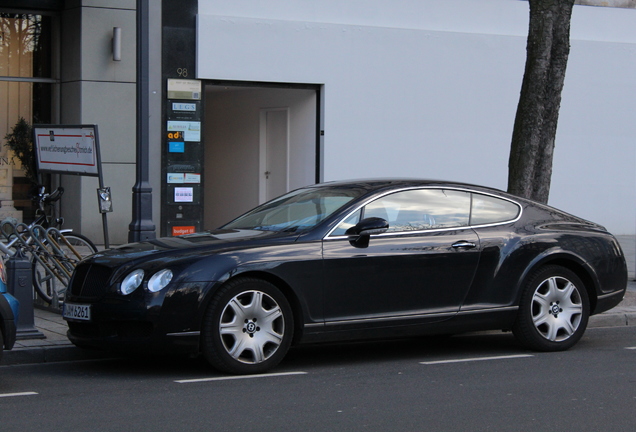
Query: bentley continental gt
348	261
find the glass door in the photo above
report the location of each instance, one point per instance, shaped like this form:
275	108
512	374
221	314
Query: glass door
26	86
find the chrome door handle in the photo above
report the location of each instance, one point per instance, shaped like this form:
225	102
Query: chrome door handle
464	244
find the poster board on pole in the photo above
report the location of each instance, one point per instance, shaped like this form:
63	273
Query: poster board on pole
72	149
67	149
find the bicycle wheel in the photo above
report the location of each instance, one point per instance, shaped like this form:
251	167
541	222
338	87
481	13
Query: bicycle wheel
48	280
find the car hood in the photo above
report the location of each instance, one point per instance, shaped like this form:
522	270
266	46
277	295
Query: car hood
189	246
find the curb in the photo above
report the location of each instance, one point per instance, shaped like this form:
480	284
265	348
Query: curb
50	354
612	320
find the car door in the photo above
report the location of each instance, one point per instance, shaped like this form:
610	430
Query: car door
418	271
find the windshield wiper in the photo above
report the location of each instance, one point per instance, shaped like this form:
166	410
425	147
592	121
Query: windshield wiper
291	229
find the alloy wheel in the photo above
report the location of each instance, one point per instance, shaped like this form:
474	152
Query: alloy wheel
252	327
557	308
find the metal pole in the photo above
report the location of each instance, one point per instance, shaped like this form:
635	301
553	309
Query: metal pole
100	176
142	227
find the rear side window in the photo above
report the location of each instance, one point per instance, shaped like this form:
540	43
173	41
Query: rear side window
422	209
489	210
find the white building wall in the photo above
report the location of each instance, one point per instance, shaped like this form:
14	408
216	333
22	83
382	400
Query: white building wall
429	88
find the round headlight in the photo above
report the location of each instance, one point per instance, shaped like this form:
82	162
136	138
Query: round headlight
131	282
159	280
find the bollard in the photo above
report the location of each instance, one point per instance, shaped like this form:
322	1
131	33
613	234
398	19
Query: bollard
20	285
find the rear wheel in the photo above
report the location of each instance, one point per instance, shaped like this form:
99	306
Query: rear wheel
51	282
554	310
248	327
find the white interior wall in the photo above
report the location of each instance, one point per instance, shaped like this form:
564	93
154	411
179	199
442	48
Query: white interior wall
429	89
232	120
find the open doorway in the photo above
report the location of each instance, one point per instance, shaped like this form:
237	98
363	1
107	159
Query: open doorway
259	142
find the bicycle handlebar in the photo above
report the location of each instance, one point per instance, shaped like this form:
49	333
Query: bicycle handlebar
43	198
51	198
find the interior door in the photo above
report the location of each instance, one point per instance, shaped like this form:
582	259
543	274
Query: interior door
274	178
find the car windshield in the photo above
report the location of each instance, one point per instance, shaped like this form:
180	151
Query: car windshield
296	211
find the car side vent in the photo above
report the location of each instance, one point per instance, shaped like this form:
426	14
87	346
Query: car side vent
90	280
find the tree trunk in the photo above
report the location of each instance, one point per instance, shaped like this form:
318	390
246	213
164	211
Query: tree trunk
548	47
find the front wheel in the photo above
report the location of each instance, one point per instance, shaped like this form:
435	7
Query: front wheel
553	311
247	328
48	280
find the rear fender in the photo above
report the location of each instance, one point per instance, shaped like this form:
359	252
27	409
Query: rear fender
569	260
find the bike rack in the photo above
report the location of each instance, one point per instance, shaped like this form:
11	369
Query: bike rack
32	239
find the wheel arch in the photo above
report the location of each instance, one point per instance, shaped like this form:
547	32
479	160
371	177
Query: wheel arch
279	283
572	263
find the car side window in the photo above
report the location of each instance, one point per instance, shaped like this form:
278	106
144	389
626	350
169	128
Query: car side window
416	210
424	209
489	210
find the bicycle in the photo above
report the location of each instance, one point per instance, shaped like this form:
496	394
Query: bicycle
54	252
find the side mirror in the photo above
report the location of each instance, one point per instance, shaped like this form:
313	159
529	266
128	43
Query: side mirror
360	233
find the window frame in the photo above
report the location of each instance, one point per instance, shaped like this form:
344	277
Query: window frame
329	235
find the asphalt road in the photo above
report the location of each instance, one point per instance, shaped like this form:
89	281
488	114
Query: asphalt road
468	383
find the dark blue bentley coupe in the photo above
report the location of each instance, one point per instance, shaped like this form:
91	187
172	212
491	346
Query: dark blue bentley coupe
351	260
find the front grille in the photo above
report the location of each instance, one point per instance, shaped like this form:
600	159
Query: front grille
90	281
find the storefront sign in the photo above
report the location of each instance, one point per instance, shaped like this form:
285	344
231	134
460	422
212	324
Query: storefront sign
192	178
183	195
176	178
184	178
182	230
66	149
191	130
182	110
182	156
180	106
184	89
176	147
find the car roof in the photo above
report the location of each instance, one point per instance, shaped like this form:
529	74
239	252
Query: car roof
372	184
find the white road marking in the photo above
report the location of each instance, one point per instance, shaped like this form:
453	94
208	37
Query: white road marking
226	378
476	359
633	348
17	394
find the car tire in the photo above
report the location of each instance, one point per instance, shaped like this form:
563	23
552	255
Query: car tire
248	327
553	311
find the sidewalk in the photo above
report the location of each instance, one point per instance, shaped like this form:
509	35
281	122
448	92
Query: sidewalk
56	347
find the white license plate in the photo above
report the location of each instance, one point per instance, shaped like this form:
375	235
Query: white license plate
77	312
